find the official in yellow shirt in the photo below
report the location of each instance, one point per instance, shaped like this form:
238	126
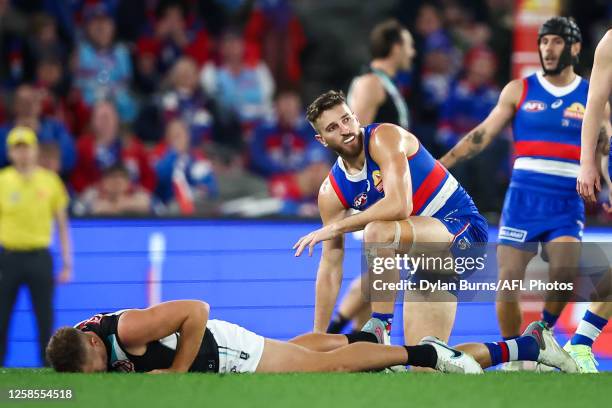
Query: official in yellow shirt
32	200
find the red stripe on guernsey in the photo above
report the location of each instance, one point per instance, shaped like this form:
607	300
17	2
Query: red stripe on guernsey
427	187
523	94
336	188
504	351
547	149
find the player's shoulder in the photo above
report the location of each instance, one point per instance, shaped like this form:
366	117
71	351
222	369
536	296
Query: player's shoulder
7	172
512	93
328	200
369	84
48	176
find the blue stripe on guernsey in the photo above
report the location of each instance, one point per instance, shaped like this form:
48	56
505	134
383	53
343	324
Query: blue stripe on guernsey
546	129
434	191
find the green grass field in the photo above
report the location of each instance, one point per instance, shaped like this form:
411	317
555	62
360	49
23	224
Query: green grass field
312	390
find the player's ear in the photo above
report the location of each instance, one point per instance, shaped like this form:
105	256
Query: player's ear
576	47
320	139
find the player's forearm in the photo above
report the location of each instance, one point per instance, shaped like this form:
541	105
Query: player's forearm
468	147
591	130
328	283
191	334
390	208
65	242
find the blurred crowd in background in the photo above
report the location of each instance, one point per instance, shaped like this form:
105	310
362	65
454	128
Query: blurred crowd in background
173	107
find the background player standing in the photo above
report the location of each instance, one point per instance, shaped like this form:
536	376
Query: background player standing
31	199
588	184
541	204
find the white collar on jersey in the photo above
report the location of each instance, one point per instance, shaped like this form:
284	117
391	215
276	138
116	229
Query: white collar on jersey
359	176
558	91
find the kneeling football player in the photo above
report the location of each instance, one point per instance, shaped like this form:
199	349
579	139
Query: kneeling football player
178	336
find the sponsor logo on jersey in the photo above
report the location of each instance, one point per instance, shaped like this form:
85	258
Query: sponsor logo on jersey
534	106
360	200
512	234
574	111
377	177
556	103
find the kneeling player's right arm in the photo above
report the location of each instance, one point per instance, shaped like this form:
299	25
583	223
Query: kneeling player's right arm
480	137
329	274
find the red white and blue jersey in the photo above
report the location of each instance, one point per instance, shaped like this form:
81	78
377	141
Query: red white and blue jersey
546	129
435	192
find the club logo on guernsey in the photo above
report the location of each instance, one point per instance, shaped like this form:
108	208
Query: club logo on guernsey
574	111
360	200
534	106
377	177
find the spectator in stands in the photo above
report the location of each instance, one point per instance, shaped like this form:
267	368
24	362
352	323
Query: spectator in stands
50	157
275	35
186	100
104	68
471	98
185	179
27	112
115	194
13	26
45	40
107	146
59	101
285	151
245	90
175	37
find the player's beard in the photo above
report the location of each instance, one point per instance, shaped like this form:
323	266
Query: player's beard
353	149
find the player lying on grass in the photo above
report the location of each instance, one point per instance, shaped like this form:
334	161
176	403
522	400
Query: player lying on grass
177	336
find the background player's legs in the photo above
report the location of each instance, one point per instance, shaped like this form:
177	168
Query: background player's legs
563	258
39	279
512	263
10	280
352	307
592	323
280	357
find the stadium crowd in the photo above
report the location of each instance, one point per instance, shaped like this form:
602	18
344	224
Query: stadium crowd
187	107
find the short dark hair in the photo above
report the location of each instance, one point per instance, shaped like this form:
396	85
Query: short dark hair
66	350
324	102
384	36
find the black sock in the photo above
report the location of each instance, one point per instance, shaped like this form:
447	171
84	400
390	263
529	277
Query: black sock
423	355
361	336
337	324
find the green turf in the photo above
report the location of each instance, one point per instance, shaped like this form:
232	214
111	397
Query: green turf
314	390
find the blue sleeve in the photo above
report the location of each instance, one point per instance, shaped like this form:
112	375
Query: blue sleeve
260	160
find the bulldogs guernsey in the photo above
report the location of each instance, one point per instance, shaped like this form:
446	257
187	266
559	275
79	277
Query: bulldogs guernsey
435	192
542	203
159	354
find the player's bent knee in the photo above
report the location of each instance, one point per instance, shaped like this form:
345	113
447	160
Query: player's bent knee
379	232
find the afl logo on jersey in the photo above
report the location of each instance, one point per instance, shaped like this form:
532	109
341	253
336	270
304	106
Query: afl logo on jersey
534	106
360	200
574	111
377	177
